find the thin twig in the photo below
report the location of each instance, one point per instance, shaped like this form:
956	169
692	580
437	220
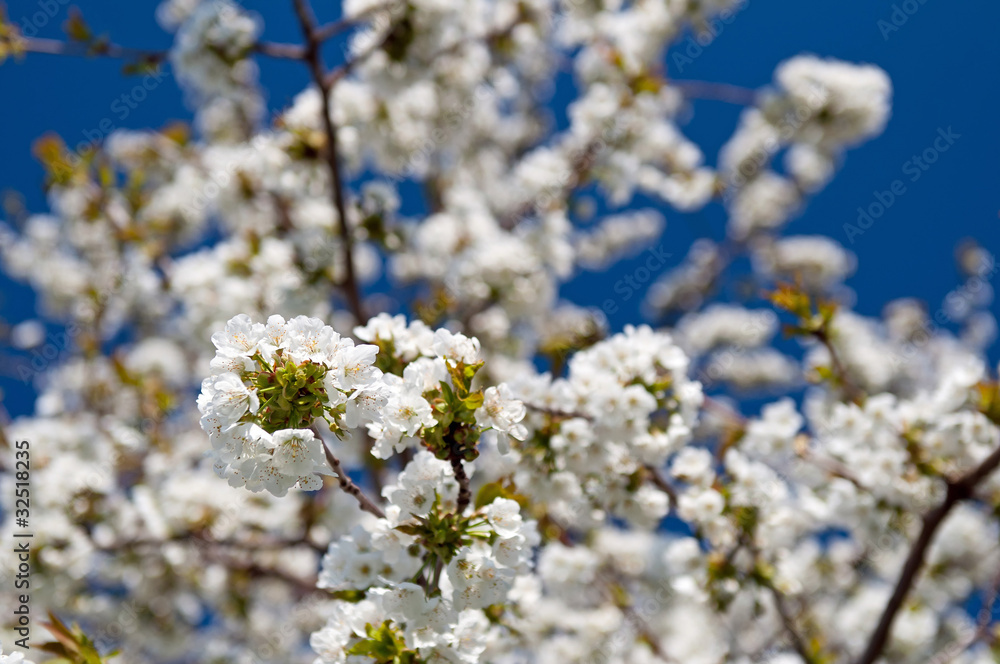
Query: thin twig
982	626
330	79
334	28
81	49
730	94
582	164
280	51
436	579
313	58
269	544
851	390
798	643
737	419
557	414
633	617
348	485
254	569
958	491
227	552
346	68
661	483
110	50
832	467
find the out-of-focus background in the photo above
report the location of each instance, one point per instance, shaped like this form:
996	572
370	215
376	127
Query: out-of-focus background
942	58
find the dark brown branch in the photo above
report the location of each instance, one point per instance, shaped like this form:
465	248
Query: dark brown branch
464	493
958	490
313	58
347	485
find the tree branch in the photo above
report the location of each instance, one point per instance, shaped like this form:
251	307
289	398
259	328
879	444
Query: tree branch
661	483
312	57
108	50
958	491
730	94
81	49
464	493
582	163
851	390
347	485
280	51
985	619
333	29
618	596
798	643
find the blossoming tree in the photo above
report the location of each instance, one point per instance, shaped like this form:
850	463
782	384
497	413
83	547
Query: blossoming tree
471	468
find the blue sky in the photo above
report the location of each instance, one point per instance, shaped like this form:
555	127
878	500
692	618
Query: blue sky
943	61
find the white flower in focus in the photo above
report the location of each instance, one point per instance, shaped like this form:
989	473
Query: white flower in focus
352	367
275	336
297	452
408	412
502	412
504	516
366	405
425	477
478	580
240	337
456	347
227	398
404	602
307	339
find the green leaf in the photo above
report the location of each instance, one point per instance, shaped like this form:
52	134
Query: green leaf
71	643
488	493
474	400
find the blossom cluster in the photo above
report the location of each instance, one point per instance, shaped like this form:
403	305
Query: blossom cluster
466	564
272	381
